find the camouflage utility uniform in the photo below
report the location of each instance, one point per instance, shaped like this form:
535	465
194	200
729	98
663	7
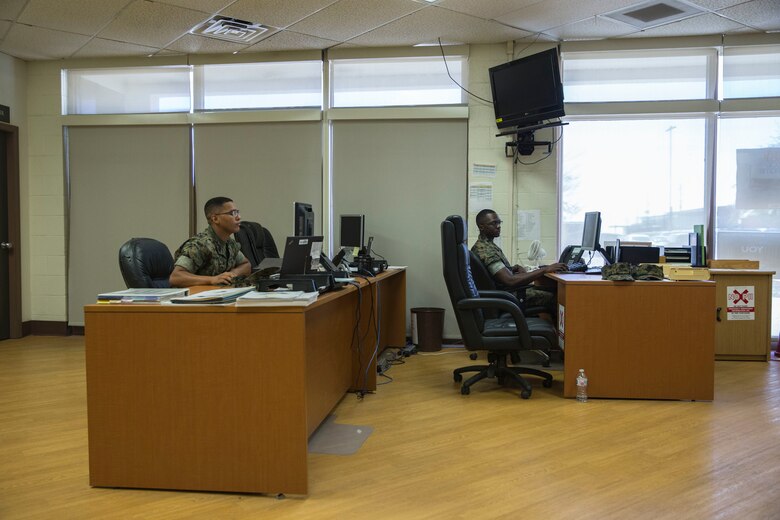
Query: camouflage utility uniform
206	254
494	260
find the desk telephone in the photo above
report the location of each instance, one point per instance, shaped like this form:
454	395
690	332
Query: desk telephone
572	257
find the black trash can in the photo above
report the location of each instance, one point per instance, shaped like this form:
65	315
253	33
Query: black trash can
427	328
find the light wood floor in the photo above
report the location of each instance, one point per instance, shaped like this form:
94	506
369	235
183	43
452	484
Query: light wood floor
433	453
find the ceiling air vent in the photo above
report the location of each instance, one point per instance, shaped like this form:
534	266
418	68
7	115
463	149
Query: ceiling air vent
229	29
653	13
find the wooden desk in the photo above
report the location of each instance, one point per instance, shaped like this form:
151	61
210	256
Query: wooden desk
643	339
224	398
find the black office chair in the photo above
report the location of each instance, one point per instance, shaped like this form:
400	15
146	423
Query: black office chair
500	336
256	242
145	262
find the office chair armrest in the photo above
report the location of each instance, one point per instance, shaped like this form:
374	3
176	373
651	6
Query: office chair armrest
500	294
498	304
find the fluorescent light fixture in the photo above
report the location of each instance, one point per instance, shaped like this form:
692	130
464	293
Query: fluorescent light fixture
436	44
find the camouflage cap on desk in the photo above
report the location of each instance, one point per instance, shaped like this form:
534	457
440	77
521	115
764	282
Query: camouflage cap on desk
649	272
619	272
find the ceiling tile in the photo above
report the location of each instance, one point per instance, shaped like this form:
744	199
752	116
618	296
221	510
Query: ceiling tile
153	24
702	24
764	14
4	26
553	13
289	40
716	4
83	17
194	44
429	24
207	6
593	28
486	10
10	9
363	16
277	13
100	48
35	43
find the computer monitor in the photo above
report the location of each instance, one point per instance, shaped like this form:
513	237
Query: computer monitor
591	231
352	230
304	219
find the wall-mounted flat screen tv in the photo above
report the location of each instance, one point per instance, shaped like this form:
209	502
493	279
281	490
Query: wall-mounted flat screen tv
527	91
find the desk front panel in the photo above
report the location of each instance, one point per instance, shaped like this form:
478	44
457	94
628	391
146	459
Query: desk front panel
652	340
222	398
199	401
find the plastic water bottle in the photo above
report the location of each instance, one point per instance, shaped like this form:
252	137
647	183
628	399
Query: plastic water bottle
582	387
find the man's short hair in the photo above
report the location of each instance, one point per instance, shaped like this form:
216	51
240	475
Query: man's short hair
482	214
214	204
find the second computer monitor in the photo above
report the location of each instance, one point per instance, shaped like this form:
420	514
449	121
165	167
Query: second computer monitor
591	231
352	230
304	219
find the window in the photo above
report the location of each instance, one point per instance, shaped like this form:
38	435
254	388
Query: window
646	177
259	85
750	72
747	221
638	75
137	90
396	82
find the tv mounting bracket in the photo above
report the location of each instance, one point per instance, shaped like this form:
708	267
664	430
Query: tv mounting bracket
524	138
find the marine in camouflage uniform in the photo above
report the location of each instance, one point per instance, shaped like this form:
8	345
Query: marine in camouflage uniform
213	256
206	254
494	260
506	276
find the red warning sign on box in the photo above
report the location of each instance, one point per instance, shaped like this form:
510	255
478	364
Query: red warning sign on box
740	302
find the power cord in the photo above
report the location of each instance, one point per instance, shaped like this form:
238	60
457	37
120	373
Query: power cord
464	89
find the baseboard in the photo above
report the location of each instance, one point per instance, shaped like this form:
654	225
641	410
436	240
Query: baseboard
50	328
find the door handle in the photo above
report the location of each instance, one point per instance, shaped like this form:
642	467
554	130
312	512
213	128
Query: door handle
717	314
6	245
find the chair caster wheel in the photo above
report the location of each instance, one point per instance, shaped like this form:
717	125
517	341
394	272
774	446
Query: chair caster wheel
473	356
547	383
525	394
458	378
464	390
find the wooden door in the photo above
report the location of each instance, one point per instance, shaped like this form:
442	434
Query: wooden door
10	257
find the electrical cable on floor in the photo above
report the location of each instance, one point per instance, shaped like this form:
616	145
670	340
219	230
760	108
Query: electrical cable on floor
386	382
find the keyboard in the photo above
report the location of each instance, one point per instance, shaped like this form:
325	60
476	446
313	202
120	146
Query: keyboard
577	267
593	270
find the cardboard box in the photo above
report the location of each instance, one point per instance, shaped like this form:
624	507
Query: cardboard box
732	264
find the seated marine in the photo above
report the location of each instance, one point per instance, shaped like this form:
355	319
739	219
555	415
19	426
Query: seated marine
512	277
212	257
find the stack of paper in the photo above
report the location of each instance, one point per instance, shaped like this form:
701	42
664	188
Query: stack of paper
277	298
141	295
215	296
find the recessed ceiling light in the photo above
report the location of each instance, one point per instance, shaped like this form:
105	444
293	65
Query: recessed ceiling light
229	29
427	1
